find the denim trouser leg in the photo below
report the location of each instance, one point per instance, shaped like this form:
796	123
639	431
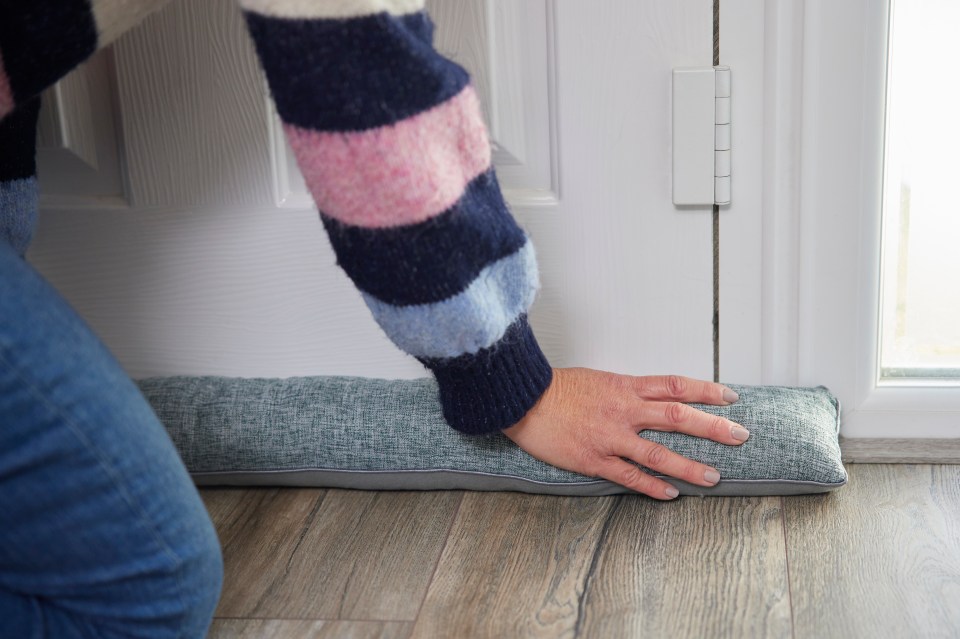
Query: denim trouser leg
102	533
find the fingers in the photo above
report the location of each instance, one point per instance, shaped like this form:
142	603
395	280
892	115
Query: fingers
663	460
626	474
677	417
660	459
684	389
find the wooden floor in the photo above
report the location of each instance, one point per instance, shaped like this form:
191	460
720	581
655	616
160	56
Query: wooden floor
878	558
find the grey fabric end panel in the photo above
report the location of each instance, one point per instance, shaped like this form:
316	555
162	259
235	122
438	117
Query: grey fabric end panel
456	480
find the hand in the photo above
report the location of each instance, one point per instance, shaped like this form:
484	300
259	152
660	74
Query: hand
587	421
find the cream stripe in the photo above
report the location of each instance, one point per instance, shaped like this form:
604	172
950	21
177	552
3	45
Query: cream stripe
115	17
333	9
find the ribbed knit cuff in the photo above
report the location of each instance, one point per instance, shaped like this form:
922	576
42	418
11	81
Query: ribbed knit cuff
494	388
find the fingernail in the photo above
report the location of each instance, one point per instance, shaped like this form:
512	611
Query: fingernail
739	434
672	492
711	476
729	396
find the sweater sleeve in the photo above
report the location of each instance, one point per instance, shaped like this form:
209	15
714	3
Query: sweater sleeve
389	137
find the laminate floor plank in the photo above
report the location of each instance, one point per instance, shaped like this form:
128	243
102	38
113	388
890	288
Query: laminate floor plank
301	629
711	567
514	566
332	555
259	530
879	558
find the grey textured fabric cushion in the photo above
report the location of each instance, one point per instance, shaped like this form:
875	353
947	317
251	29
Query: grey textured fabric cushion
350	432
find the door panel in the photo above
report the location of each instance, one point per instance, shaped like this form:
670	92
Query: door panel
214	262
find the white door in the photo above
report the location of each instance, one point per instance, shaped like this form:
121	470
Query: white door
183	233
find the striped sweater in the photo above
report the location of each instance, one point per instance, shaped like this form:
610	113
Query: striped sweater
390	140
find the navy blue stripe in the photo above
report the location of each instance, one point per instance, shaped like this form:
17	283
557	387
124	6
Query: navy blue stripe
18	142
432	260
465	323
353	74
42	40
494	388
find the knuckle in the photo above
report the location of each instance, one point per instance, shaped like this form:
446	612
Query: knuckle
691	472
589	465
643	386
633	477
676	386
656	456
676	412
718	428
627	475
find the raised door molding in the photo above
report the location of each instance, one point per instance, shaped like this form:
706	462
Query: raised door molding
66	118
192	98
77	145
508	46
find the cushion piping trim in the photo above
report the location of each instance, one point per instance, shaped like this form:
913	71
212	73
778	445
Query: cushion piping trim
590	482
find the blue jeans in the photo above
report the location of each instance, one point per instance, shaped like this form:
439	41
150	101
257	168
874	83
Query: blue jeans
102	532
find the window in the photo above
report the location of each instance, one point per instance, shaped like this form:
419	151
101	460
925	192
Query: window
920	264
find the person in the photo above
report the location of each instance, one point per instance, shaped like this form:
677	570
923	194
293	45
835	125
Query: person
102	532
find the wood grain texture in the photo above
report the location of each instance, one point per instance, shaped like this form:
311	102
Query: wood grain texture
514	566
194	109
879	558
900	451
297	629
690	568
337	554
260	530
462	35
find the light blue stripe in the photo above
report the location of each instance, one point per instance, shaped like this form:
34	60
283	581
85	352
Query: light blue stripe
18	212
469	321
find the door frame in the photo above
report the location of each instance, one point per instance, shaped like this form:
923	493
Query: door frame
815	268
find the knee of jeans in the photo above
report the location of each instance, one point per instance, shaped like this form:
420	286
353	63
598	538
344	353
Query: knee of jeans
18	212
204	571
200	580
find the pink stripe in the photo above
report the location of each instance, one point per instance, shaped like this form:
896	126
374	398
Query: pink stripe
6	95
398	174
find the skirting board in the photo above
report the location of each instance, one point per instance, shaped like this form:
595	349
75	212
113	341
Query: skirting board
862	450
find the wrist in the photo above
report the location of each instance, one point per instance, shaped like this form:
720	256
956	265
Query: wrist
485	392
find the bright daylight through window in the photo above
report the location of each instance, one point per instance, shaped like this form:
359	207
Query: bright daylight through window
920	270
